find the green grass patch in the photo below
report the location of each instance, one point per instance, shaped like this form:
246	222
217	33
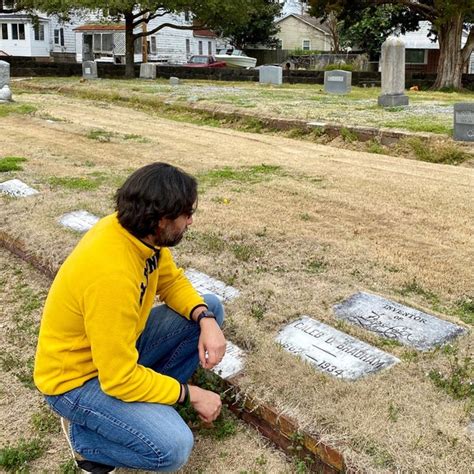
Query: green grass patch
374	146
11	163
15	458
45	421
243	252
442	153
465	309
136	138
12	108
100	135
76	183
347	135
414	288
316	265
414	124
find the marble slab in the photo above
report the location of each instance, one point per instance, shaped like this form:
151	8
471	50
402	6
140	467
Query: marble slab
16	188
232	363
331	351
80	221
205	284
393	320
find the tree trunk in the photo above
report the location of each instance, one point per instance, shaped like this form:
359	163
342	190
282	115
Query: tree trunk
449	73
129	47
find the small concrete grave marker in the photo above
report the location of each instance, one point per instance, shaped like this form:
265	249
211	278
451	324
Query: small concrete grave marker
392	320
337	81
80	221
16	188
89	70
464	121
332	351
232	363
147	71
205	284
174	81
5	92
271	75
393	73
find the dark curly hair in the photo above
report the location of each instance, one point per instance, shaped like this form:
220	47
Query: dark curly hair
155	191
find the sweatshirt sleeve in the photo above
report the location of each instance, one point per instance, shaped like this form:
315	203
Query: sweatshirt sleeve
111	316
174	288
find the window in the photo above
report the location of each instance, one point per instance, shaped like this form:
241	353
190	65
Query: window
209	48
138	46
102	43
18	31
186	16
306	45
153	45
188	47
4	31
59	36
39	33
200	47
415	56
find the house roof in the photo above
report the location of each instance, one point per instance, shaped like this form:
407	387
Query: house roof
115	27
309	20
19	16
205	33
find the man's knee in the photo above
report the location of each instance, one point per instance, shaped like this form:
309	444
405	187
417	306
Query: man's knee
214	304
176	450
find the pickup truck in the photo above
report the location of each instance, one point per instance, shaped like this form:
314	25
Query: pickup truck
201	60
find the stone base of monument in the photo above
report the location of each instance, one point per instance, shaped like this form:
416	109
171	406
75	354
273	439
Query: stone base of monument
147	71
393	100
5	94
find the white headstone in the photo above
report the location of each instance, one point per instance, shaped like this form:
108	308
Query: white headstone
5	94
205	284
147	71
337	81
393	73
16	188
271	75
332	351
232	363
392	320
4	74
80	221
464	121
174	81
89	70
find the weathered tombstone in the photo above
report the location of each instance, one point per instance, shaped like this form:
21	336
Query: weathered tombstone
16	188
5	92
80	221
89	70
174	81
464	121
395	321
147	71
337	81
205	284
332	351
393	73
232	362
271	75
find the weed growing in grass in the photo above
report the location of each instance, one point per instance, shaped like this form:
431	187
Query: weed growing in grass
76	183
243	252
465	309
414	124
414	288
136	138
11	163
347	135
257	310
210	242
100	135
68	467
443	153
410	355
305	217
16	458
45	421
23	109
374	146
393	411
381	457
316	266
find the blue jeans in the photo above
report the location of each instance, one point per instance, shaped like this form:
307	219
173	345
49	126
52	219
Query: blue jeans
139	435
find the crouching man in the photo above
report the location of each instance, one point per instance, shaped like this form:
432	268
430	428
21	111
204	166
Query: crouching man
109	363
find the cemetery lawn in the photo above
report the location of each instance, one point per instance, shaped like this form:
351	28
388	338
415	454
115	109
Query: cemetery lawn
295	226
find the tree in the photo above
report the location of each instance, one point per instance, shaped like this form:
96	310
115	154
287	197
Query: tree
448	18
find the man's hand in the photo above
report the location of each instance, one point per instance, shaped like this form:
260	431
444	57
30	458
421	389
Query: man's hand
211	343
206	403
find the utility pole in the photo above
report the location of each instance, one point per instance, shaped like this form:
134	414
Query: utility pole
144	40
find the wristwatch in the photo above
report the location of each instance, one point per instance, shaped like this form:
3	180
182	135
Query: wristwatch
205	314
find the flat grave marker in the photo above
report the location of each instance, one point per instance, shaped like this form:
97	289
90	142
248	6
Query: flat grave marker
464	121
80	221
337	81
16	188
331	351
205	284
393	320
232	363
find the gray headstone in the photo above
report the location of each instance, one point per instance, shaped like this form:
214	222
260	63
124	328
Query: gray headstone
4	74
205	284
332	351
147	71
174	81
337	81
16	188
5	94
89	70
464	121
392	320
232	362
80	221
271	75
393	73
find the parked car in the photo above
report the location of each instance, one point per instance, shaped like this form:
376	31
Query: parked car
201	60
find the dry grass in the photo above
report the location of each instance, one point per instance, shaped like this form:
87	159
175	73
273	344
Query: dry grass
323	223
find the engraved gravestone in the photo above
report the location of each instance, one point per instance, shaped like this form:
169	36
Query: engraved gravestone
205	284
393	73
392	320
89	70
464	121
271	75
232	362
16	188
80	221
147	71
332	351
5	92
337	81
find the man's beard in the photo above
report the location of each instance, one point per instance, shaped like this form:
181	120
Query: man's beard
167	238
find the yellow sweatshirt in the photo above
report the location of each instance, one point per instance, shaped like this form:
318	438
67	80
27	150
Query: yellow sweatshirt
97	308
